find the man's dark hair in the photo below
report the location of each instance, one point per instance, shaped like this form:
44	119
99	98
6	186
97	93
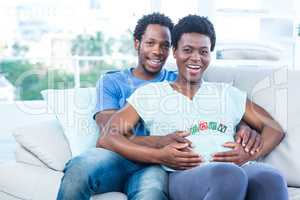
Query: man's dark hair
154	18
194	24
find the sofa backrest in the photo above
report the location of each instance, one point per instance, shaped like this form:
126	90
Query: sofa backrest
266	86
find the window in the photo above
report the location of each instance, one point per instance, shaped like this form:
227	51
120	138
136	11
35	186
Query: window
64	43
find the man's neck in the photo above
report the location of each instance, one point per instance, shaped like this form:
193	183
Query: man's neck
141	73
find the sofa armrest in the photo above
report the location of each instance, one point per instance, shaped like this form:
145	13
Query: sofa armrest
46	141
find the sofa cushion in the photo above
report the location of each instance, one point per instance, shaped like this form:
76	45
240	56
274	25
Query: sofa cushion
24	156
22	181
74	111
29	182
46	141
294	193
105	196
110	196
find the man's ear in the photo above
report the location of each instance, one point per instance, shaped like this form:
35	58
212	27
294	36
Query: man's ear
136	44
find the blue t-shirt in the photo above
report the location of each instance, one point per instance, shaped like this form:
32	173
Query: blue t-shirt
113	88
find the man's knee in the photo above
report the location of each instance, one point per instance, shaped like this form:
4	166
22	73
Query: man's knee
149	194
150	180
154	176
84	172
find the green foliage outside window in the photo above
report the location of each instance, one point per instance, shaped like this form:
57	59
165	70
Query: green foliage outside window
88	45
30	79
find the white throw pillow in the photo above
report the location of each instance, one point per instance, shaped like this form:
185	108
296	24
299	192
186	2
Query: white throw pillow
46	142
25	156
74	110
285	156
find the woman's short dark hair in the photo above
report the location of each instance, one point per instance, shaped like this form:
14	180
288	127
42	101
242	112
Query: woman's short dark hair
154	18
194	24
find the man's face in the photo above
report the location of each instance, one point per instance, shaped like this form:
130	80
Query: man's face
153	49
192	56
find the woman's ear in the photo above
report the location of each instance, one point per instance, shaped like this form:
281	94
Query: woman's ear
136	44
174	52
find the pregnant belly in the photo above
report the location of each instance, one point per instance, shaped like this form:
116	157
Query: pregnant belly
208	144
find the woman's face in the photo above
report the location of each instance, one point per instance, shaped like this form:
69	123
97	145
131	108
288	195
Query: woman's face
192	56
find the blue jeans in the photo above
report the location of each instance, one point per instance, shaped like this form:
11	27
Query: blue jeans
99	170
215	181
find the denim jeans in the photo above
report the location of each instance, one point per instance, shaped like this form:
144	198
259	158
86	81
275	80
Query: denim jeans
99	170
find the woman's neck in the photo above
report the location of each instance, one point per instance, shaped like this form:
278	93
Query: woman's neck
188	89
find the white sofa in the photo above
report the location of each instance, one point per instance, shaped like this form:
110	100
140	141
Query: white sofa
42	149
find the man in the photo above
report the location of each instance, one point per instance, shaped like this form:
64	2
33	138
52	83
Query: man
99	170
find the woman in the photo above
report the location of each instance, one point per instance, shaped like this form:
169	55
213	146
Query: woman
210	111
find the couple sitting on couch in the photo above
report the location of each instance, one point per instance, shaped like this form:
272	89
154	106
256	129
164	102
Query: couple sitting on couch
199	158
